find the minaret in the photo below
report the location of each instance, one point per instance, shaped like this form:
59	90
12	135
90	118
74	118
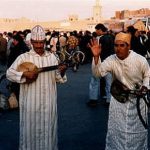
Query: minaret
97	12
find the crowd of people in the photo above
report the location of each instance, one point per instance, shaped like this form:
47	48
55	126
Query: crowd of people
13	44
116	58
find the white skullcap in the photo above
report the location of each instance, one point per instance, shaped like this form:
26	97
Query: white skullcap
38	33
125	37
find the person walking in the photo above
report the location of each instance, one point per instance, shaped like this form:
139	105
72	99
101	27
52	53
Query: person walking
126	131
38	94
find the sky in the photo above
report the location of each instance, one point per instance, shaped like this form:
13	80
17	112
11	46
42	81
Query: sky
51	10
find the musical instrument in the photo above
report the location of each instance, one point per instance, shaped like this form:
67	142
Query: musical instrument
29	66
32	71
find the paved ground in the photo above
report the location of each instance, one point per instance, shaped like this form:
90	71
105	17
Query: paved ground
80	127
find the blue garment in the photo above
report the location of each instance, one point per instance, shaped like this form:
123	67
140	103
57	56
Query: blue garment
94	88
3	67
108	81
4	83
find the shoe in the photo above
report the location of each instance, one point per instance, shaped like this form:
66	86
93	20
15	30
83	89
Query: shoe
92	103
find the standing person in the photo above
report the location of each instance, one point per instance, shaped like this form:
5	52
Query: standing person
72	42
3	53
72	46
54	40
136	44
3	67
62	41
28	38
17	47
9	43
94	84
84	40
47	42
107	48
125	129
38	95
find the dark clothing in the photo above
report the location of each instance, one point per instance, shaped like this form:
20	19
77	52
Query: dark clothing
148	44
137	46
3	49
15	51
85	49
107	45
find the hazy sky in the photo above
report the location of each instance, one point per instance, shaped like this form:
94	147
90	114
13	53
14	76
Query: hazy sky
46	10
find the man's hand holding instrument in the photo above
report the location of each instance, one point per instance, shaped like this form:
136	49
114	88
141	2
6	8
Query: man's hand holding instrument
31	71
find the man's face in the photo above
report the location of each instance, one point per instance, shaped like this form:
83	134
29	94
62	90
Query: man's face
99	32
38	46
121	49
15	42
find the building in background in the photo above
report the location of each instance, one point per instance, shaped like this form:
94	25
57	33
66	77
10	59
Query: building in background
134	17
97	12
73	22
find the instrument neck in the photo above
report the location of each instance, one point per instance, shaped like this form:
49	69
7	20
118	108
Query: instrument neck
49	68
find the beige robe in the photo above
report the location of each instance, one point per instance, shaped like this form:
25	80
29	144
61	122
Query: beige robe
125	130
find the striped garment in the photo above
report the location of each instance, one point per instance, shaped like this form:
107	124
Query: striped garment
125	130
38	103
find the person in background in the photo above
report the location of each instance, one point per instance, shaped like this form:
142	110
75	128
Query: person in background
72	42
102	85
47	42
28	38
38	95
9	43
54	41
17	47
94	85
136	44
3	53
62	41
126	131
84	40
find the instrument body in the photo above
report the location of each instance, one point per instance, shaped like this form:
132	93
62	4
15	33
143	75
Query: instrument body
31	71
29	66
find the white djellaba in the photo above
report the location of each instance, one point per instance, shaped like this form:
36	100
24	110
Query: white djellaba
125	129
38	100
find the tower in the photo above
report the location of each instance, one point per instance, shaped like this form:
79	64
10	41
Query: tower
97	11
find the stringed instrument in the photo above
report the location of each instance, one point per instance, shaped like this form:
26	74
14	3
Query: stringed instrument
29	67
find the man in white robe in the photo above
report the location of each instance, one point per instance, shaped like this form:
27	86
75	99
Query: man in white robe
38	95
125	129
